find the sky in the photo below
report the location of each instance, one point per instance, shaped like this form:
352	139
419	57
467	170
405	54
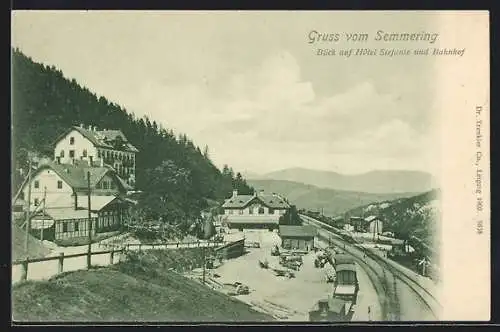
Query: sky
251	86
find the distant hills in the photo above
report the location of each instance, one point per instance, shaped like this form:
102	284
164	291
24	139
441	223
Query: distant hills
331	201
380	181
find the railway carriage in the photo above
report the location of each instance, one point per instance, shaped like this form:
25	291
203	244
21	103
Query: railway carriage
346	284
340	259
331	310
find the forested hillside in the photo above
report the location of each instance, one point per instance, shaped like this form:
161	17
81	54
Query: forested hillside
416	216
170	167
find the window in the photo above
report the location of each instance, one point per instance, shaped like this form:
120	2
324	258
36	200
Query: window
241	211
61	154
105	185
261	210
59	184
37	184
36	202
71	140
271	211
84	152
72	153
65	227
76	226
230	211
250	210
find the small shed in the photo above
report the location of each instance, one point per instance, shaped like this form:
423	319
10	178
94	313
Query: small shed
231	250
375	225
297	237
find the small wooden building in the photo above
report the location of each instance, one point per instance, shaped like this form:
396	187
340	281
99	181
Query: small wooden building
231	250
374	225
297	237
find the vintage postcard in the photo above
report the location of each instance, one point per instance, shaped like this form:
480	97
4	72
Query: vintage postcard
232	166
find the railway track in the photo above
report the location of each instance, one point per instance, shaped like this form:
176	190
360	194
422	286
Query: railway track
383	273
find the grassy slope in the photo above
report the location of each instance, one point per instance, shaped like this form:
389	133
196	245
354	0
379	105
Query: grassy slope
35	246
142	289
309	197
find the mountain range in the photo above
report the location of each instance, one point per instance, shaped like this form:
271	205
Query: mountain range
378	181
331	202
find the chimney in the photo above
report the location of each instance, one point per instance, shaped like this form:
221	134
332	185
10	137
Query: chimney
81	125
235	192
89	128
261	192
102	162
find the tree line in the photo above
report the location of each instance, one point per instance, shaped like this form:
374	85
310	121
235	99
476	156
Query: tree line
178	178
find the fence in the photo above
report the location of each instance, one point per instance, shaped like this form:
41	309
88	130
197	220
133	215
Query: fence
44	268
42	271
165	245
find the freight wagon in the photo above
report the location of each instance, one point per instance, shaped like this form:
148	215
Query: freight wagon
331	310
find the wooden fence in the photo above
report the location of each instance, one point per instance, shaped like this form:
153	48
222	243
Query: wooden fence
115	248
61	257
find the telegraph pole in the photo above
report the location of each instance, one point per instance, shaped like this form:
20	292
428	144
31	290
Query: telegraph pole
89	226
204	264
43	217
28	219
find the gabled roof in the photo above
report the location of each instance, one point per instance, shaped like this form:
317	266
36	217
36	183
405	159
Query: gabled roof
343	259
238	201
76	175
273	201
370	218
97	203
345	267
102	138
297	231
241	201
68	213
125	185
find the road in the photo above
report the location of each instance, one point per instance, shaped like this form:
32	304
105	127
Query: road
403	296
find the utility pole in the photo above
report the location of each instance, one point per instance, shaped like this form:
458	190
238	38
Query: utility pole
43	217
28	218
204	264
89	225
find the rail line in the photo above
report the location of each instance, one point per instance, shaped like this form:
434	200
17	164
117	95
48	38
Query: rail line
392	311
375	278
